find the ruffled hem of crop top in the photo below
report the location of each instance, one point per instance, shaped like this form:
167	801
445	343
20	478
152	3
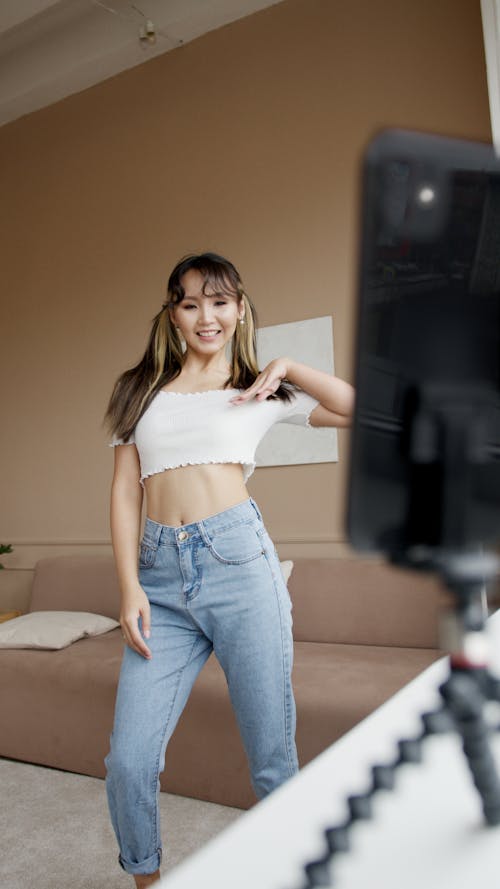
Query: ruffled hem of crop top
190	429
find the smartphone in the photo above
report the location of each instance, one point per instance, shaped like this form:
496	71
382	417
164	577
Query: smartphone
425	455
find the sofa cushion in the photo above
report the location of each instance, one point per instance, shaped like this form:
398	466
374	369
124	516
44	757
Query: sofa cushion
336	686
76	583
53	629
364	602
57	709
83	583
57	706
286	569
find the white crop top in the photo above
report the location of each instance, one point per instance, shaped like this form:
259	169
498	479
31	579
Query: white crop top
184	429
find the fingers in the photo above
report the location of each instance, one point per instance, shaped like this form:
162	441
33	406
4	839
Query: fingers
260	390
261	395
146	622
267	381
132	636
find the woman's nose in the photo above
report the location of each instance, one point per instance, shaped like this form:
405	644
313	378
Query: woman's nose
206	312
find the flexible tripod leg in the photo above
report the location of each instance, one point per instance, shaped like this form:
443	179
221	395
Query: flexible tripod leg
464	695
464	698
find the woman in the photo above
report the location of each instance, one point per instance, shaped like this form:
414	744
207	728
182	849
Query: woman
187	422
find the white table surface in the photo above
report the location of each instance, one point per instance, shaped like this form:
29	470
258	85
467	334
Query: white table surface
428	832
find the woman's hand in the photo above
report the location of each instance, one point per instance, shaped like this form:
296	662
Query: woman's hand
135	604
266	383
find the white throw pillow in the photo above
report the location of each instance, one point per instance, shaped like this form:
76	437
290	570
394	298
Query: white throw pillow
286	569
52	629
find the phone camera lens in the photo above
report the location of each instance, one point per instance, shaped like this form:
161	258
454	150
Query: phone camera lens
426	195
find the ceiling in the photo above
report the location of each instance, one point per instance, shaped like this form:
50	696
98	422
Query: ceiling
50	49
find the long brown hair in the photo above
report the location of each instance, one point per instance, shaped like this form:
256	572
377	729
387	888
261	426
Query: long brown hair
162	361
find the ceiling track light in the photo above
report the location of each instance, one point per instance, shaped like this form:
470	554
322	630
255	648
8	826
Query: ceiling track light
147	32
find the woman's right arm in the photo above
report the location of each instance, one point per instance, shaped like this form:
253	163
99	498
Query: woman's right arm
125	516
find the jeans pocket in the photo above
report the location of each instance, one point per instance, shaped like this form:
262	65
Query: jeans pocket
147	554
236	545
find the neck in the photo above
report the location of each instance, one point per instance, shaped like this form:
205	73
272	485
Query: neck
196	366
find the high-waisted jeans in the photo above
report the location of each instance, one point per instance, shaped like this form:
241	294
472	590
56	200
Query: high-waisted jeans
213	585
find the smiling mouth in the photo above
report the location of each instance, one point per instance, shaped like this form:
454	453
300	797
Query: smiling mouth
208	335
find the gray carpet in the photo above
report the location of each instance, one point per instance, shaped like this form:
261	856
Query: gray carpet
55	831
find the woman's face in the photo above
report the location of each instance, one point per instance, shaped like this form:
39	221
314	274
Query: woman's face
207	321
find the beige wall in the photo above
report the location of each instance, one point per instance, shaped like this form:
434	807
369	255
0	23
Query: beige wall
246	141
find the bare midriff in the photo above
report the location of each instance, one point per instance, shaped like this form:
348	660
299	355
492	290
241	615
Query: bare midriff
192	493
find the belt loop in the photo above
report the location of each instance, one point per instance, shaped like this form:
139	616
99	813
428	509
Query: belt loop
153	531
257	510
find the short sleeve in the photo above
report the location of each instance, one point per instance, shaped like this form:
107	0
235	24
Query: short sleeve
119	441
299	409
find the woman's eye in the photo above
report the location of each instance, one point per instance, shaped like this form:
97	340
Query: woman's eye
218	302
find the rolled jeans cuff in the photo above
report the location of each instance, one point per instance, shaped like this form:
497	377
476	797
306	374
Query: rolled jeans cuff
148	866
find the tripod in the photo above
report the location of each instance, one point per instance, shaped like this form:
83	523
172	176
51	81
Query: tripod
447	436
465	694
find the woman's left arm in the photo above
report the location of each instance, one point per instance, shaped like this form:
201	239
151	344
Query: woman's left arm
335	396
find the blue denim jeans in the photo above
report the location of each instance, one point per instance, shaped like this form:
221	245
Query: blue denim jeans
213	585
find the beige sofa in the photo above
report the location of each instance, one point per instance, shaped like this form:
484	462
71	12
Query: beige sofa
362	630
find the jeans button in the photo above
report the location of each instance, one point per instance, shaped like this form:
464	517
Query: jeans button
183	535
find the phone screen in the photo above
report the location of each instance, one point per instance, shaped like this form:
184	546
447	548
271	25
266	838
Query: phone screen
425	457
